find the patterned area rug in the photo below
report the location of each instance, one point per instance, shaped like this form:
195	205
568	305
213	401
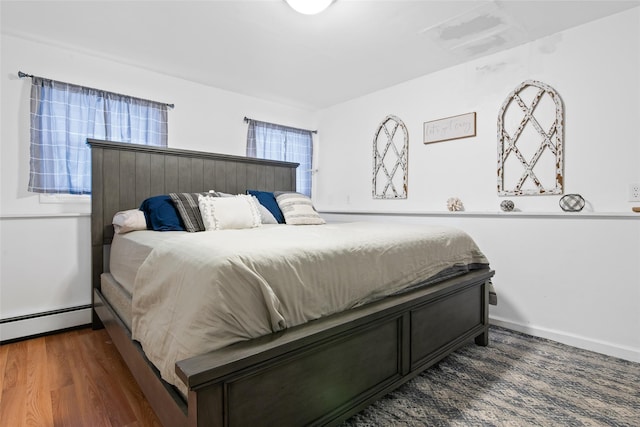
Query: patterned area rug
518	380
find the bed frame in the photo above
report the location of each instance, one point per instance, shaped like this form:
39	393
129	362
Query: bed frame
319	373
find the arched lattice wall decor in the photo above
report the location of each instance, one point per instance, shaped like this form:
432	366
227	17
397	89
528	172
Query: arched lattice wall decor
531	141
390	159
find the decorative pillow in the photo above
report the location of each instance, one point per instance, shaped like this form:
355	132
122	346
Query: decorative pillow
297	209
161	214
221	213
130	220
266	217
268	200
187	205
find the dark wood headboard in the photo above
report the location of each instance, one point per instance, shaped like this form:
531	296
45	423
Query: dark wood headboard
123	175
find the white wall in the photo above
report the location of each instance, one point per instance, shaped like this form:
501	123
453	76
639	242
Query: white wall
45	248
573	279
593	67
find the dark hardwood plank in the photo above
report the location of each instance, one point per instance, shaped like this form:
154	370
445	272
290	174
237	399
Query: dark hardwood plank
157	175
220	176
127	181
197	174
97	197
209	175
143	178
241	178
232	178
184	174
111	193
269	179
171	175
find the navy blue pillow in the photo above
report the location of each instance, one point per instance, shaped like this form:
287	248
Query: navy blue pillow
268	200
161	214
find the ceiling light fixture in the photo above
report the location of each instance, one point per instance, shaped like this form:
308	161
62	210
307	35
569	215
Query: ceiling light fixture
309	7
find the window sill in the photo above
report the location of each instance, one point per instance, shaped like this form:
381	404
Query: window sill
83	199
45	215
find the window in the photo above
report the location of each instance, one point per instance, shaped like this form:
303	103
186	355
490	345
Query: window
275	142
63	116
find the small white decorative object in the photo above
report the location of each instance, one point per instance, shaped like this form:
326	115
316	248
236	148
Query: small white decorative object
454	204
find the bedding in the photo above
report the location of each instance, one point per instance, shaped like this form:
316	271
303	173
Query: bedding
198	292
128	252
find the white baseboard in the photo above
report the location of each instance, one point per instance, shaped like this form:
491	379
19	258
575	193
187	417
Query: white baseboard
41	324
27	327
622	352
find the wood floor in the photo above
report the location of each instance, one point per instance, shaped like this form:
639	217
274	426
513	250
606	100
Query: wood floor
75	378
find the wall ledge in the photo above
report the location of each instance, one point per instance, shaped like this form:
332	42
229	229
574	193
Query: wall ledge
487	214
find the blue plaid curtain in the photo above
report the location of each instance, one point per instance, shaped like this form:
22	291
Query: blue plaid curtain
276	142
63	116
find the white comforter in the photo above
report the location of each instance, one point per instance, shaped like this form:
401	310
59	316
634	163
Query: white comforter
199	292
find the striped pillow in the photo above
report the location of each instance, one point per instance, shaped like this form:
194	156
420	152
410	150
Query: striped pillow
187	206
297	209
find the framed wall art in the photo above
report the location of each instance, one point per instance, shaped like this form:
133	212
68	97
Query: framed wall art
531	141
455	127
390	159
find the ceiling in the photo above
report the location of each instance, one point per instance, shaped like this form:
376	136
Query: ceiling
263	48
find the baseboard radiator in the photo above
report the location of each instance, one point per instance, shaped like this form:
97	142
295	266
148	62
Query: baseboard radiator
32	325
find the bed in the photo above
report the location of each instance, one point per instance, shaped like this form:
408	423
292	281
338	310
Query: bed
312	372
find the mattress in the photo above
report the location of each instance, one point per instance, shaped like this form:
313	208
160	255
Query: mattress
128	252
197	292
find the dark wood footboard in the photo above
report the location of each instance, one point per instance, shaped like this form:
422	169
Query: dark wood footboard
319	373
323	372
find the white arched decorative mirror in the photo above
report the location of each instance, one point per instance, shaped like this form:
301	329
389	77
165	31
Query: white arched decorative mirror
390	154
530	141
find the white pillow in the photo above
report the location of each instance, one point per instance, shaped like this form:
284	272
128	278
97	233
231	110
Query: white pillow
130	220
298	209
266	217
221	213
